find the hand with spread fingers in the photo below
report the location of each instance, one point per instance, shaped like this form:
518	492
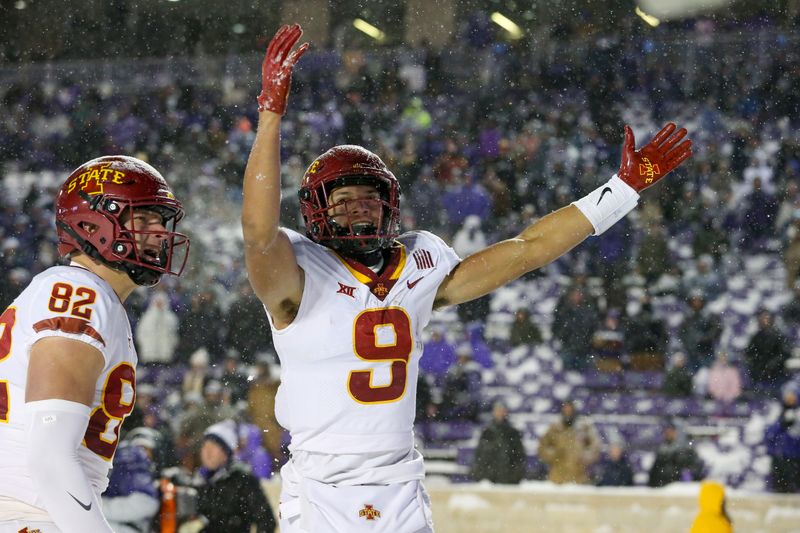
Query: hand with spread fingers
642	168
276	70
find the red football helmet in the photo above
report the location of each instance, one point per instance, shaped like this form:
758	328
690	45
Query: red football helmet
342	166
96	200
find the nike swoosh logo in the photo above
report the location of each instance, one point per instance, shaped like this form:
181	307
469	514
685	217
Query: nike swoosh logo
603	193
412	284
85	507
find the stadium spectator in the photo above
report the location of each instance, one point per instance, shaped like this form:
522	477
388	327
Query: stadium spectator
157	332
438	355
232	377
194	418
261	406
783	445
704	279
201	326
573	324
724	380
426	409
760	209
654	256
645	338
678	380
131	500
766	354
470	237
246	331
569	447
500	456
524	330
461	388
615	469
608	343
675	460
198	374
791	249
699	333
251	451
229	496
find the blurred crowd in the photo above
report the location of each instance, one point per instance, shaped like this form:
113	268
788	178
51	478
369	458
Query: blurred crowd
479	154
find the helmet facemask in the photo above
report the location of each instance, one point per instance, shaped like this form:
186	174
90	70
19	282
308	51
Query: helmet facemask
351	238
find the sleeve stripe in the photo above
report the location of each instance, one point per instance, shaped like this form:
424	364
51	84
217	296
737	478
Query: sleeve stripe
74	326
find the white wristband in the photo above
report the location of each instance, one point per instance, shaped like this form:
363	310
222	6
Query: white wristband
608	203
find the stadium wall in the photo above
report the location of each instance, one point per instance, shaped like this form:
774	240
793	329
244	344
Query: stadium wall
544	507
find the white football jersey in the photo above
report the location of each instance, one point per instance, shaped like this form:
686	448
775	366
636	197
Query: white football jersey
350	358
70	302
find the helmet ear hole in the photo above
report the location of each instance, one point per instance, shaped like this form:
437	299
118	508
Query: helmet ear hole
121	249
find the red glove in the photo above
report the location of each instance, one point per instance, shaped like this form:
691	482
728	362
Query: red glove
642	168
276	70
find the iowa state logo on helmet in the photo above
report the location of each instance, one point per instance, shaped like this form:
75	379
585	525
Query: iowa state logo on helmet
92	179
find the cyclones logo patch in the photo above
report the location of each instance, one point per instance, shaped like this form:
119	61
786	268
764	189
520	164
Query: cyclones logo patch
369	512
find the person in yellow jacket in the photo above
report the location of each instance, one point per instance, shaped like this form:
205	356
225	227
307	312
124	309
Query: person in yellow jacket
712	518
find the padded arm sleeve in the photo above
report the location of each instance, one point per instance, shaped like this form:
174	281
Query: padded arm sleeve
55	431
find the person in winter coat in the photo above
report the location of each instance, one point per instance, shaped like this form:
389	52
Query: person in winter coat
766	354
783	445
724	381
675	460
576	319
500	455
569	447
131	501
616	470
461	389
470	238
157	332
252	452
438	355
713	517
524	330
699	332
229	496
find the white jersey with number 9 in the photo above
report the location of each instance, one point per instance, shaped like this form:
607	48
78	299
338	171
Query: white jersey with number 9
350	358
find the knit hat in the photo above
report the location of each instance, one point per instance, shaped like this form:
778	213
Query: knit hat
224	434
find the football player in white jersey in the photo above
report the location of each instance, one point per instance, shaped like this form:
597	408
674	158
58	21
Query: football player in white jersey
67	359
348	300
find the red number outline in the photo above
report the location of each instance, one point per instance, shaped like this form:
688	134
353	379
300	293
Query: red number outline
7	321
76	307
89	298
112	407
366	348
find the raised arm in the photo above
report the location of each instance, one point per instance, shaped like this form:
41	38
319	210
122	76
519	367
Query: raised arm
555	234
271	264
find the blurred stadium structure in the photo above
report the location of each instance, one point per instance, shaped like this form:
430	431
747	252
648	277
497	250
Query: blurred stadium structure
48	29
